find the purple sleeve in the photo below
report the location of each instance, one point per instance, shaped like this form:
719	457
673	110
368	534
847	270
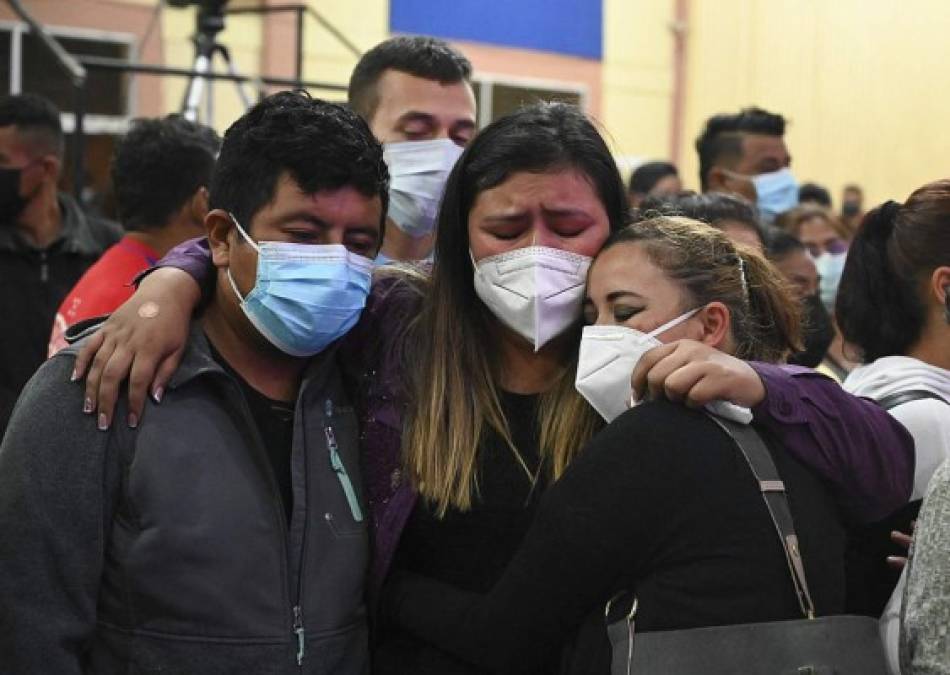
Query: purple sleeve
192	256
863	452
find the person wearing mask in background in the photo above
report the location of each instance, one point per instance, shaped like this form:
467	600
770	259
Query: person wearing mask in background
471	371
813	193
744	153
826	240
791	258
415	93
161	171
732	214
225	534
653	179
894	306
852	206
46	241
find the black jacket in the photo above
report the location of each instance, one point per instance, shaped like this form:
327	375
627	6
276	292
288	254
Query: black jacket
33	283
166	549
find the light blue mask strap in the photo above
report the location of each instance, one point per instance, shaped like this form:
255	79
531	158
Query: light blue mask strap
234	286
247	238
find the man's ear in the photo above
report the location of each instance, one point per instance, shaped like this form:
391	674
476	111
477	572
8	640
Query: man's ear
716	321
219	226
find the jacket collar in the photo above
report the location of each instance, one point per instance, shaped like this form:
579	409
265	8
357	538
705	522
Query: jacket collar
75	237
198	360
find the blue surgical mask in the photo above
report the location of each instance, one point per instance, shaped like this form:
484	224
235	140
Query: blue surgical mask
776	192
829	266
305	295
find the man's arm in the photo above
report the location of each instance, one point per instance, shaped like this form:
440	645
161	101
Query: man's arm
859	448
57	478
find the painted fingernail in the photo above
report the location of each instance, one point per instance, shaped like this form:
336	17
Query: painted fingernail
157	394
133	420
74	376
103	422
87	406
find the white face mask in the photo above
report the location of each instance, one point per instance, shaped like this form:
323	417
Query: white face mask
418	171
535	291
608	356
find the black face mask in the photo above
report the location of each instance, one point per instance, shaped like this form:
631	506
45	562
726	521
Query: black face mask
11	203
850	209
819	331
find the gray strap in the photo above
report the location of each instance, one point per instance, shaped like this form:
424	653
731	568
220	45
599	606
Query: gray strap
776	501
902	397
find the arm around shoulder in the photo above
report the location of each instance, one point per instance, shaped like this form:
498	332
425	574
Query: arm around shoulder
866	454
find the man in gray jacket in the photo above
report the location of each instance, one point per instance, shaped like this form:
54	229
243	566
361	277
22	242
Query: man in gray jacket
224	532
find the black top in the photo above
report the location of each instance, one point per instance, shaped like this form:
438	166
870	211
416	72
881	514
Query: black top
661	503
33	283
470	550
275	423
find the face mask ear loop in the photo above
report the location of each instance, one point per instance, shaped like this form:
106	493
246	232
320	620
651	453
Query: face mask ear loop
234	287
244	234
673	323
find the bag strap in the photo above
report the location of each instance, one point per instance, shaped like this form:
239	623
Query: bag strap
901	397
772	487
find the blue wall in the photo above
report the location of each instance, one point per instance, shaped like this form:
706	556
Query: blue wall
564	26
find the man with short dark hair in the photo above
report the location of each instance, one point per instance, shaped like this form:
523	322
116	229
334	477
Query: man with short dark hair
415	93
745	153
227	532
46	241
161	171
813	193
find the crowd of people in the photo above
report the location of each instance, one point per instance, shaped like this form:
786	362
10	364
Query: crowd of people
378	393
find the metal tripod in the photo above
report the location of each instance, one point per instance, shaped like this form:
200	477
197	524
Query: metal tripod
210	23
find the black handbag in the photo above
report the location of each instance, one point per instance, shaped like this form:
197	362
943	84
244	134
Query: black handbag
832	645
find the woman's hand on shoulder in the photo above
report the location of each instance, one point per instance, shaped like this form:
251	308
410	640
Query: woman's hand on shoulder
143	340
691	372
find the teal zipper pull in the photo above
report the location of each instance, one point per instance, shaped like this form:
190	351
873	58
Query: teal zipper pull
299	632
336	463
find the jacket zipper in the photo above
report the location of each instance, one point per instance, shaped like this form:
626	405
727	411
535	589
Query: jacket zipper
299	632
336	463
284	526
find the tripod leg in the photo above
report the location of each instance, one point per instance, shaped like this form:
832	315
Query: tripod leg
242	94
196	83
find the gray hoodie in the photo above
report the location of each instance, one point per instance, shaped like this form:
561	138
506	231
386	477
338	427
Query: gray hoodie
166	549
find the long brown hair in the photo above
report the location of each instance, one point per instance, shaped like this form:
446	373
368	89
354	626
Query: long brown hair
449	356
765	320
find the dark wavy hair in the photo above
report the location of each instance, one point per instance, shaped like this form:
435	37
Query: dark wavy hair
158	166
323	146
879	307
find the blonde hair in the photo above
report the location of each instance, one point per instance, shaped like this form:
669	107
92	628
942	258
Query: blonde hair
454	394
765	319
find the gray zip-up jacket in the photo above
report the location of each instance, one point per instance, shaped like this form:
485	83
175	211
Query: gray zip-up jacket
165	549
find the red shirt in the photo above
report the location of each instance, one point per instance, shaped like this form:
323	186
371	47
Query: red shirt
104	286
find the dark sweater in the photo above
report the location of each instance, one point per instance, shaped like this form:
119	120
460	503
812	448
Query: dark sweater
469	550
661	503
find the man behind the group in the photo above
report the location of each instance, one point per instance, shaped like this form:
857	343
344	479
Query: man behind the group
225	533
46	241
415	94
745	153
161	171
